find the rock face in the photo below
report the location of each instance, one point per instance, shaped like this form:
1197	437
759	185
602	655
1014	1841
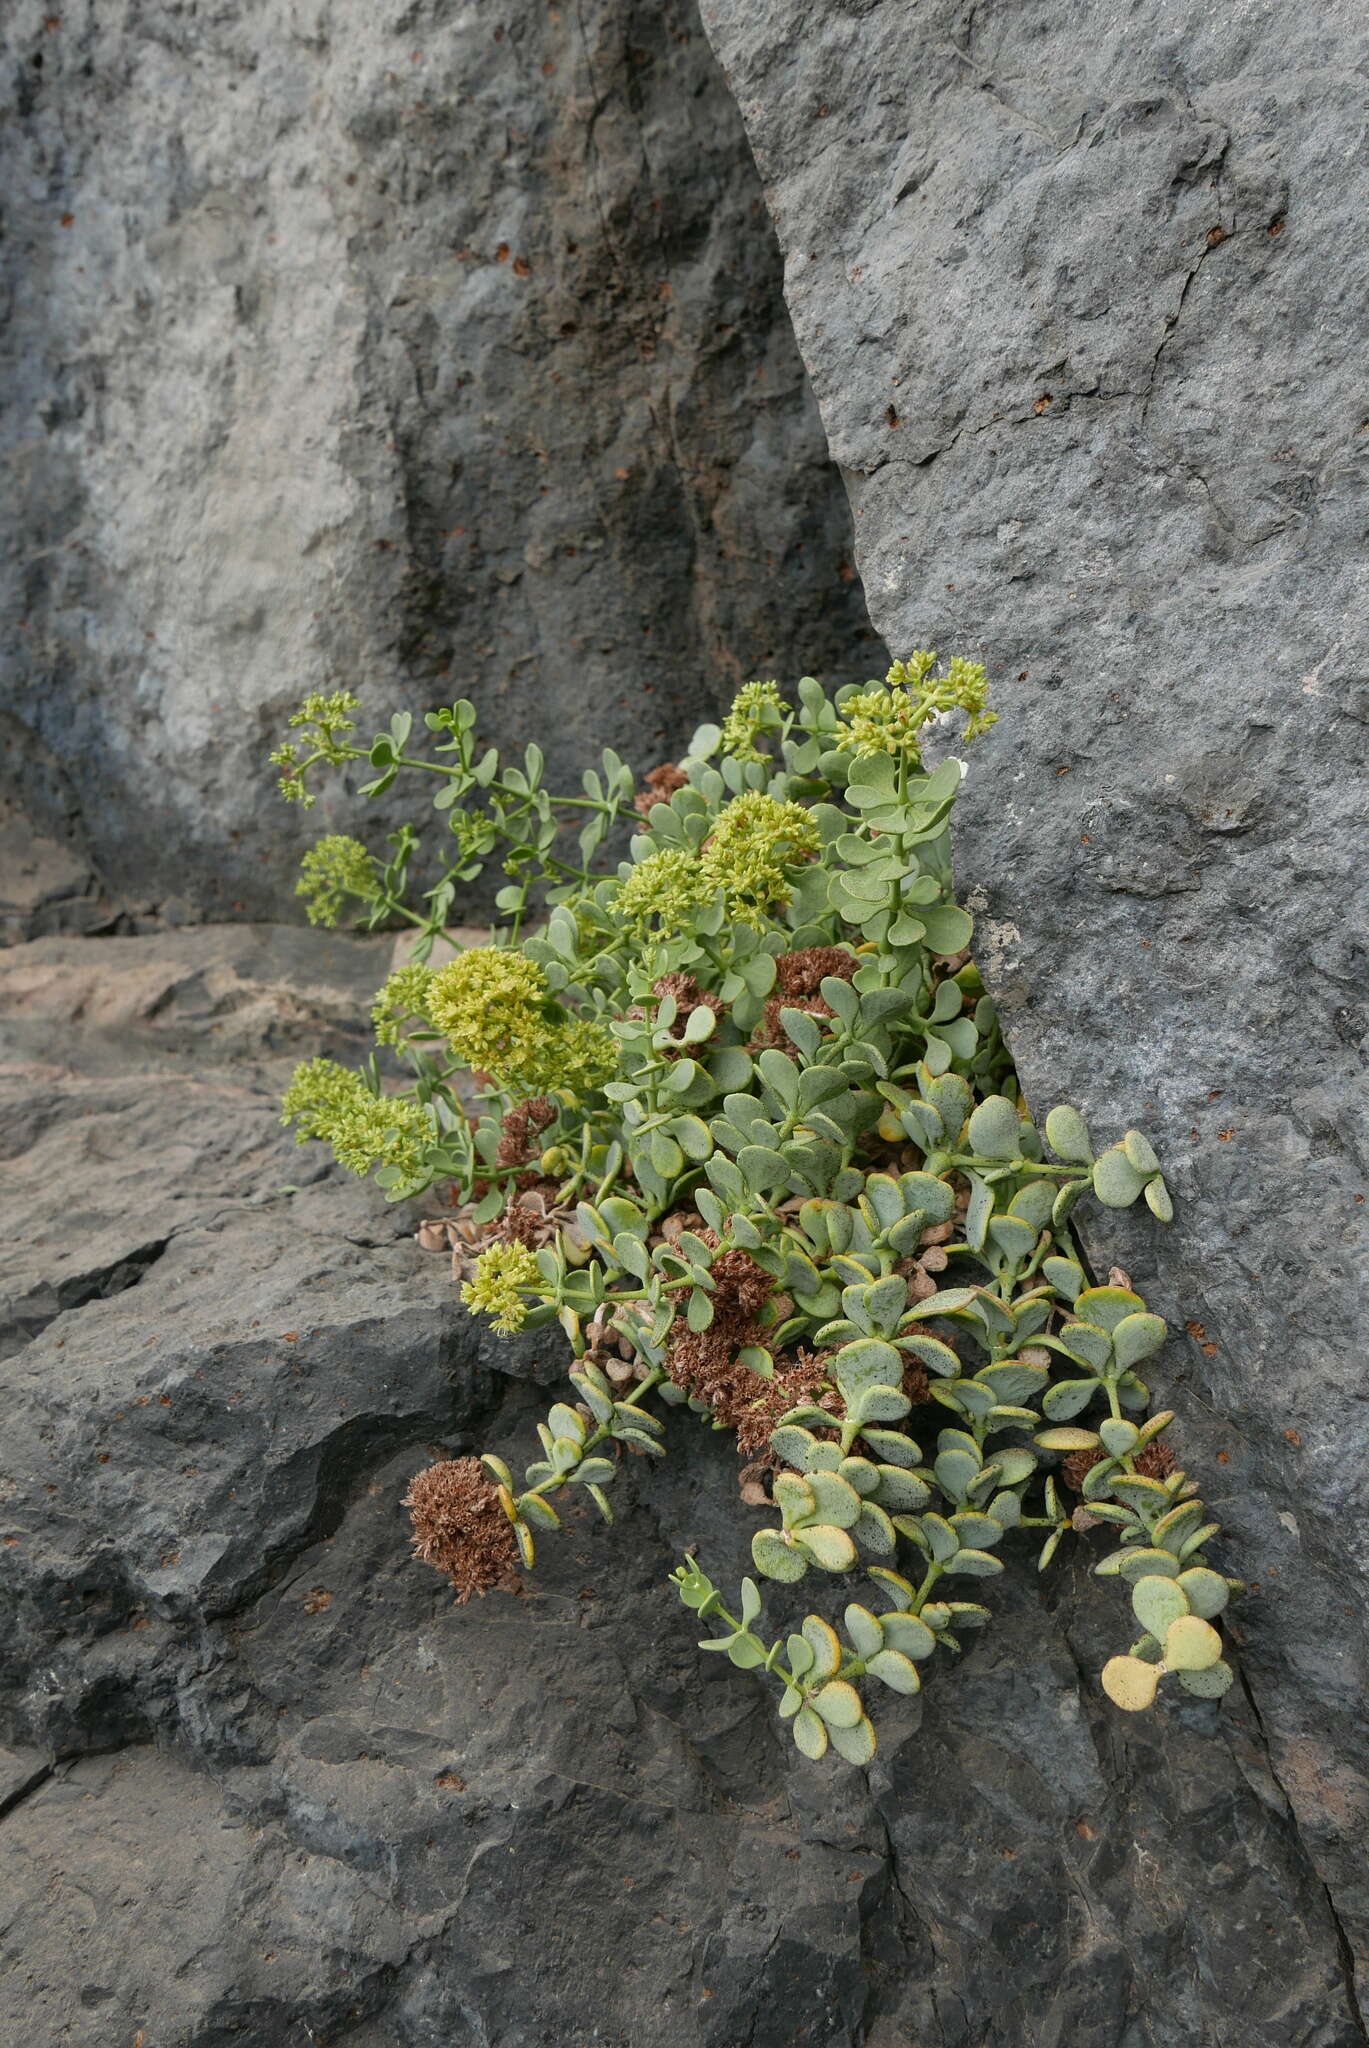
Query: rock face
418	351
269	1784
1081	292
1078	301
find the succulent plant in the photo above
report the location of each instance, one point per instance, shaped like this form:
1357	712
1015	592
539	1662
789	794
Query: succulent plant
746	1129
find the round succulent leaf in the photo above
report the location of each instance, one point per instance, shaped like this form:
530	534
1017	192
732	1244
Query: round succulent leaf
909	1634
1115	1180
874	1531
793	1444
745	1652
1088	1342
1140	1152
527	1549
1106	1306
1067	1439
868	1362
838	1703
1210	1682
1206	1591
563	1420
595	1472
1137	1337
1130	1683
975	1564
1014	1380
794	1498
1160	1203
1191	1644
940	1536
1013	1236
829	1547
824	1643
865	1630
956	1471
775	1558
1156	1602
976	1531
810	1735
948	928
1172	1530
900	1492
1067	1398
1012	1466
1068	1135
931	1352
968	1397
858	1473
798	1653
837	1504
879	1404
1118	1436
895	1670
995	1129
891	1447
897	1588
856	1745
1137	1564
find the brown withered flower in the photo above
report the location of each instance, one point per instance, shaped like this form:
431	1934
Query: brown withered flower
661	785
798	978
1154	1460
521	1127
460	1528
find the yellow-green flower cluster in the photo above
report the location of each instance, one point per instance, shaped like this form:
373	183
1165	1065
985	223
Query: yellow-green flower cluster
496	1009
402	1001
756	708
754	843
889	720
325	719
667	886
500	1273
330	872
331	1102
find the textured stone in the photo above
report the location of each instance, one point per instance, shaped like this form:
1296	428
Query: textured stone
416	350
1082	295
299	1794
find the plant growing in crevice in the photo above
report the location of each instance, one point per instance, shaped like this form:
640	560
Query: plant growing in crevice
735	1113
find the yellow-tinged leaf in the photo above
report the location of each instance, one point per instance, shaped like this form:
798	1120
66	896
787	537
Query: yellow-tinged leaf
1130	1682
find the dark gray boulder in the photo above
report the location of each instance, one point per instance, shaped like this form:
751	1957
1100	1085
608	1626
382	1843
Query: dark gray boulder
419	351
1082	295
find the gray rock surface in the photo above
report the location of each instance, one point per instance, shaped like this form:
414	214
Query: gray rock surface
1083	296
270	1786
419	350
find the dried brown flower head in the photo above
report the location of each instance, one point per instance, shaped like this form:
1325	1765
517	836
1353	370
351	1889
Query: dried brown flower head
522	1125
460	1527
798	977
1154	1460
661	784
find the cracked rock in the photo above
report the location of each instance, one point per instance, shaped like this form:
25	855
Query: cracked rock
1110	284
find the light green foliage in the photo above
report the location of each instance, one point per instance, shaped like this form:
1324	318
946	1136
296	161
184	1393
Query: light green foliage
496	1010
502	1273
364	1127
333	870
647	1019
